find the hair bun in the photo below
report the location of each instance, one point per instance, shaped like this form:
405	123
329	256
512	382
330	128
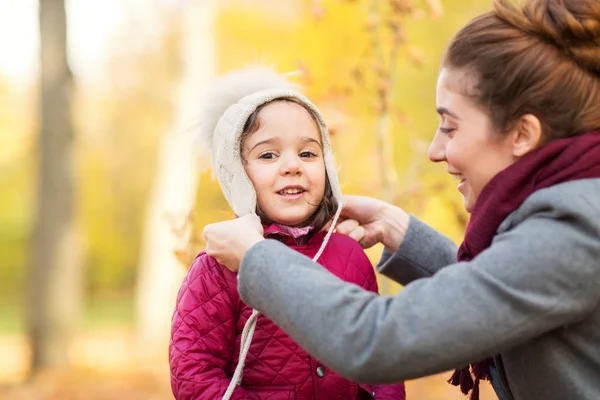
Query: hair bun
571	25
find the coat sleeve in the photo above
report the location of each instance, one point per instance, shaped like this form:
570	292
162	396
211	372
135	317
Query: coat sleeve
540	275
359	260
203	334
414	259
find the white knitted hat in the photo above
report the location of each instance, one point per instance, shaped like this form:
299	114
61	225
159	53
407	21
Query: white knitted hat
231	100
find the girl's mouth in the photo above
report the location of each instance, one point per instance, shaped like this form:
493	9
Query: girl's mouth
292	193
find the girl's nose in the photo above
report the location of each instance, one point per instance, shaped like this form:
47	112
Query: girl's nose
437	148
290	165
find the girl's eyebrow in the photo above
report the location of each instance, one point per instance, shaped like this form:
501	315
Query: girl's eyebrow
266	141
445	111
310	140
272	140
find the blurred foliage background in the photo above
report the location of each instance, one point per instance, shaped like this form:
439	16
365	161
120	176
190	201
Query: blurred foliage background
137	199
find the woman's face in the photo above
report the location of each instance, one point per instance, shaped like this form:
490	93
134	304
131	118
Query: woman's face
465	139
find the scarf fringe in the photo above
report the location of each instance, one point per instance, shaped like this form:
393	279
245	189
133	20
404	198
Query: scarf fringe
463	377
475	392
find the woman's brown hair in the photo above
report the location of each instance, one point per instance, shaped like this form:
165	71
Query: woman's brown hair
326	209
542	58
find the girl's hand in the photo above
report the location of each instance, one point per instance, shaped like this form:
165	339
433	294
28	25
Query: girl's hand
228	241
370	221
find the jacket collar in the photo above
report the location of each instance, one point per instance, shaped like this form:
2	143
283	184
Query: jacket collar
277	229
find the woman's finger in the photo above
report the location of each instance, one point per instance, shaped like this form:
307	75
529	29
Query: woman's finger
358	233
346	226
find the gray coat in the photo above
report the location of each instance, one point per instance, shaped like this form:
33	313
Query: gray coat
532	299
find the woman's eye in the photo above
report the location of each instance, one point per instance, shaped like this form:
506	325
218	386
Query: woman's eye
446	130
267	156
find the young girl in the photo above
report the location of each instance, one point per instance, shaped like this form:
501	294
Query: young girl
271	153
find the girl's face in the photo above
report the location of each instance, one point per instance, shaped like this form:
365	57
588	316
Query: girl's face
284	161
465	139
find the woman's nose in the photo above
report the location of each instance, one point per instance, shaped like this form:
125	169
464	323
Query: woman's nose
437	148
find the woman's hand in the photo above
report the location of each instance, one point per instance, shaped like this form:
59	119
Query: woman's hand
228	241
370	221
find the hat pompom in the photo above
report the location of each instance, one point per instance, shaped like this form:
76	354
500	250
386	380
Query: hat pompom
230	88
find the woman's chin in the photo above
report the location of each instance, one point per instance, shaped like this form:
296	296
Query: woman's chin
468	204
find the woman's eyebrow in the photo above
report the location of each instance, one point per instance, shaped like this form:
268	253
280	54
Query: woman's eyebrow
445	111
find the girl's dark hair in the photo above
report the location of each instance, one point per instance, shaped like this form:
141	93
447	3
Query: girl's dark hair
326	209
542	58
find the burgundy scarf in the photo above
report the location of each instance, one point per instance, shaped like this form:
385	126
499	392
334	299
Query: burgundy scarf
559	161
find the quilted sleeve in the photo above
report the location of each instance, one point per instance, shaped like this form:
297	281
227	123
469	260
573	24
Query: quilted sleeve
395	391
203	334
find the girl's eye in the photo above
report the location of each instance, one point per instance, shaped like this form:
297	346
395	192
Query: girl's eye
446	130
267	156
308	154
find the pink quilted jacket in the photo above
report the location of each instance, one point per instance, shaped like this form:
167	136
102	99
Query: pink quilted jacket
209	318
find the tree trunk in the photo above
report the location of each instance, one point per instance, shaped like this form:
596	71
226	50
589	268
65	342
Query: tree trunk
54	276
172	197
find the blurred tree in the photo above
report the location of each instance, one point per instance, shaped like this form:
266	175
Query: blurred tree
54	274
168	227
120	120
388	44
365	81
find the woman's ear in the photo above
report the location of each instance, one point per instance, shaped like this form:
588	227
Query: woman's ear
526	135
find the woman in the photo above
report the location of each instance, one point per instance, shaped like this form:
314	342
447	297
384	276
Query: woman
518	97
